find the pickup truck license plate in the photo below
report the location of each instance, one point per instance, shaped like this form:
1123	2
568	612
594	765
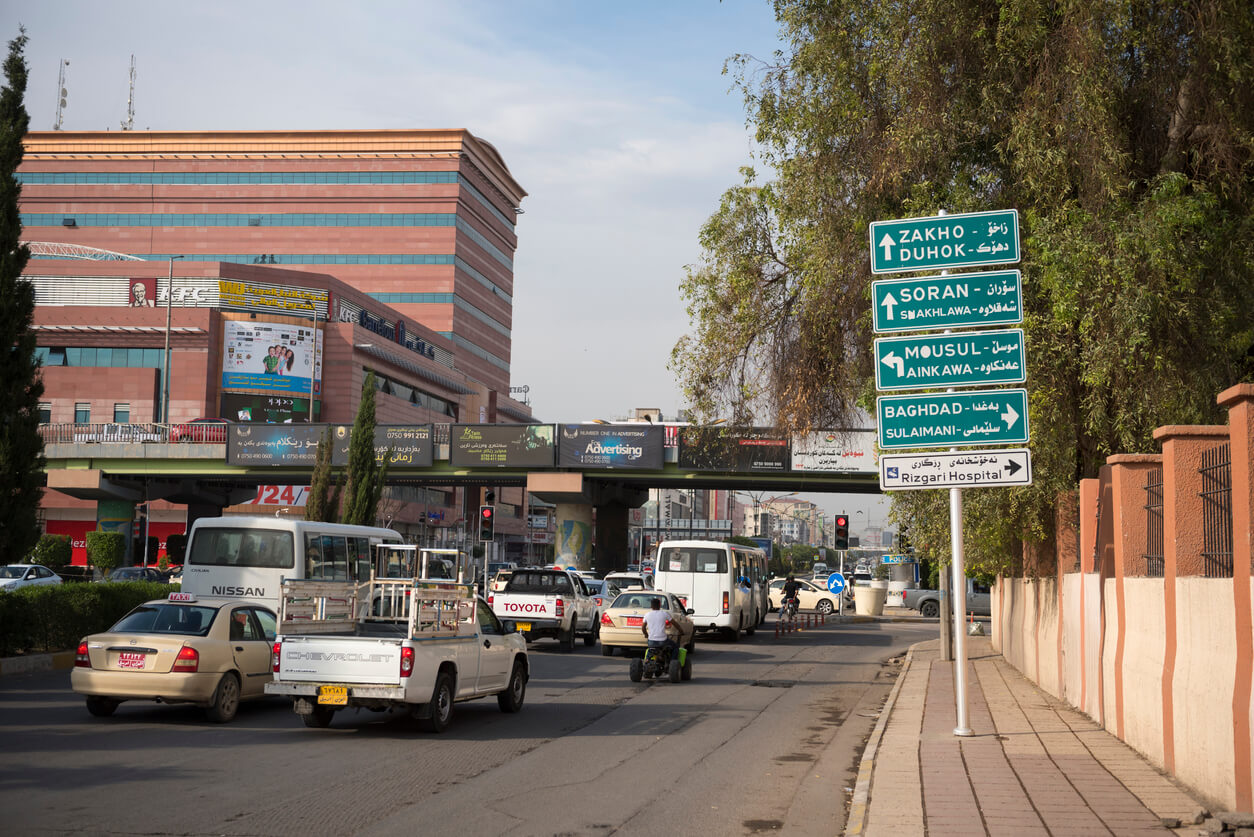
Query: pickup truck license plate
333	695
523	627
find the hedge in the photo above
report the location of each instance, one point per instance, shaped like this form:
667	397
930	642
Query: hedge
55	617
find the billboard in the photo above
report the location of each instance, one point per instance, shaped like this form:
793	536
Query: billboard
270	356
839	451
503	445
266	409
610	446
753	449
273	444
410	445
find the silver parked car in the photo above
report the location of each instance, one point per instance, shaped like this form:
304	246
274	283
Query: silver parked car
14	576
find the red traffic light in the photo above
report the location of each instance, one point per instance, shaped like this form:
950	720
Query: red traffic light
841	520
486	512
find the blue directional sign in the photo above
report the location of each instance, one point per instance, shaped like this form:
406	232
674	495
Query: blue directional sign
964	358
926	303
935	242
836	583
953	419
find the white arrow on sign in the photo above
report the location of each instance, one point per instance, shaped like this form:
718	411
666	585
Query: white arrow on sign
887	243
893	362
1010	416
889	302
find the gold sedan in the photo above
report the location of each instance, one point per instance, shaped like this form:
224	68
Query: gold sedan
623	620
180	649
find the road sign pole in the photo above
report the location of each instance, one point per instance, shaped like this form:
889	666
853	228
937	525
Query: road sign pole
959	597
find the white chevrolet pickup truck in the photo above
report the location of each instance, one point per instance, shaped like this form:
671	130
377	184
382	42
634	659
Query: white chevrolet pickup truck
548	603
422	645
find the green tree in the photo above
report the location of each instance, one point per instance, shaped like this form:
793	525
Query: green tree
53	551
21	447
1124	134
105	550
366	476
323	503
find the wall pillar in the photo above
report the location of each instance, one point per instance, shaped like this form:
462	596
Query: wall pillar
1239	400
1128	476
574	535
1182	555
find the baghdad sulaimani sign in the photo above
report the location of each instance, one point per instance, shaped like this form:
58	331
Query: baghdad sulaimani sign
610	446
503	445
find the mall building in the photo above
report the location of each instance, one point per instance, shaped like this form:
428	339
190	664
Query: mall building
290	264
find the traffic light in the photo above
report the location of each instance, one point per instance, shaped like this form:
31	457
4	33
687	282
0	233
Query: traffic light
842	531
487	521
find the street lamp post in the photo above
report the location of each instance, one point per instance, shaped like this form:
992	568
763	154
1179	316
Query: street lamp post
165	372
313	365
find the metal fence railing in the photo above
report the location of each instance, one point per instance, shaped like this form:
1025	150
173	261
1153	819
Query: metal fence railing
1154	523
130	434
1216	494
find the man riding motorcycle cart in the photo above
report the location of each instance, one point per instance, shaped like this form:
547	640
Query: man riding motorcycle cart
663	654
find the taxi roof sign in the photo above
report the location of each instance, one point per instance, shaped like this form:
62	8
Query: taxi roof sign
182	597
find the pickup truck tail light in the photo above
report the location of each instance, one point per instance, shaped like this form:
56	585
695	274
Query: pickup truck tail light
81	659
726	604
561	608
606	620
490	598
274	657
188	660
407	661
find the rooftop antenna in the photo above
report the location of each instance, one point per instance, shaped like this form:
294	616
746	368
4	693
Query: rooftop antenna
129	124
61	94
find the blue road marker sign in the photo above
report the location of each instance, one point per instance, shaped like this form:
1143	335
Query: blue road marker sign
836	583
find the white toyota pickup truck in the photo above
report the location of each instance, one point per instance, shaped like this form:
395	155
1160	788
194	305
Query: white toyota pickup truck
548	603
418	644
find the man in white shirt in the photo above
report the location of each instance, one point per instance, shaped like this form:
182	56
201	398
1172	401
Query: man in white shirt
654	627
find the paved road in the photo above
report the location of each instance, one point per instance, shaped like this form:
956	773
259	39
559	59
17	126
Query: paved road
764	737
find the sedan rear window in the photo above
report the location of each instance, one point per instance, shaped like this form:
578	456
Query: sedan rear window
188	620
643	600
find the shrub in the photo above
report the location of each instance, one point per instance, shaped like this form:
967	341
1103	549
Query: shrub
56	617
53	551
882	572
105	549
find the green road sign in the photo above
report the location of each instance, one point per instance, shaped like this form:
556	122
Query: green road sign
926	303
936	242
953	419
961	359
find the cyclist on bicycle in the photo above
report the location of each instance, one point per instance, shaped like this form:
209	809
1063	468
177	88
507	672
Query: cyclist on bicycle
791	586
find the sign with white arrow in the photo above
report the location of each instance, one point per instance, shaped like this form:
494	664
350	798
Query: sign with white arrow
965	469
953	419
935	242
964	358
926	303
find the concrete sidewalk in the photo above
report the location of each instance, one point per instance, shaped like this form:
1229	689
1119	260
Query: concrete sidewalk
1033	766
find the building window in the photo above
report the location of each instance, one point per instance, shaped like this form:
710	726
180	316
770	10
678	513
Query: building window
45	413
82	413
121	413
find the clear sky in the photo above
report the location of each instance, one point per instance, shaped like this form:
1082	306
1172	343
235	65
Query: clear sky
615	117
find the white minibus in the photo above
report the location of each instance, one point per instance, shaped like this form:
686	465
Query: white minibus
718	581
249	557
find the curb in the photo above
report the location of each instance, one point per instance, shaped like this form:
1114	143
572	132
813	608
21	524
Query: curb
859	803
36	662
